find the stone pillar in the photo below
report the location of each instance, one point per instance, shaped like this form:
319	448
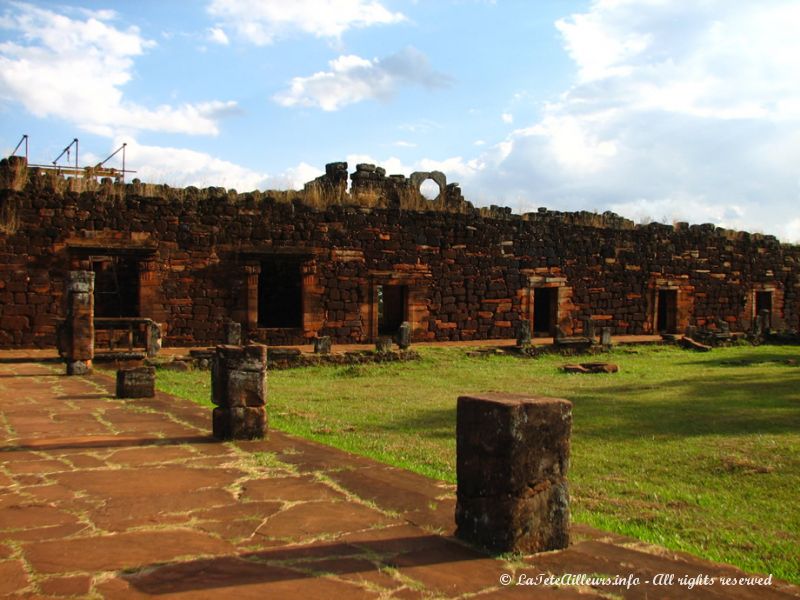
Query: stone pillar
523	334
605	337
151	302
589	329
251	273
512	457
239	391
79	325
153	343
233	333
137	382
383	344
322	344
404	335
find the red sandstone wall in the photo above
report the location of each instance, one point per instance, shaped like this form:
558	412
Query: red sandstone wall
468	276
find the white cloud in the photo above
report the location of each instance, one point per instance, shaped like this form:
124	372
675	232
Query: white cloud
353	79
262	21
679	112
507	118
791	231
404	144
75	69
181	167
217	35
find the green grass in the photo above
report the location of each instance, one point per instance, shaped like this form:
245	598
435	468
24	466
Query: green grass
695	452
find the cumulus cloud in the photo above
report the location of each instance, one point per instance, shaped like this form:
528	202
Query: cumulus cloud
678	112
218	36
260	22
75	69
180	167
353	79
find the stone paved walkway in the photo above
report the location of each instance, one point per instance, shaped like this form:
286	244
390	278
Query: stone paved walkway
105	498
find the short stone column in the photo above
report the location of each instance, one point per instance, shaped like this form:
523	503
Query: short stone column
233	333
239	391
322	344
589	329
383	345
605	337
404	336
79	323
136	382
153	342
523	334
511	463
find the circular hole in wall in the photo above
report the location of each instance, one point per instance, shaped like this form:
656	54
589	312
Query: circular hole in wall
429	189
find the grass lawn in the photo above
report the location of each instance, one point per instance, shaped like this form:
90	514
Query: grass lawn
695	452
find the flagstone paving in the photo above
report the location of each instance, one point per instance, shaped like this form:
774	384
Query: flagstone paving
108	498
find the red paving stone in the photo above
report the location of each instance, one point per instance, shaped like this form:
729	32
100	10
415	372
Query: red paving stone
107	498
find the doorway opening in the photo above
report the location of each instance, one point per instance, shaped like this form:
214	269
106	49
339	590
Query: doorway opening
764	302
667	319
116	286
392	302
280	293
545	310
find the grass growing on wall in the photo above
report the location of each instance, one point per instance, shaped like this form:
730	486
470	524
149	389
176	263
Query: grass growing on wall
695	452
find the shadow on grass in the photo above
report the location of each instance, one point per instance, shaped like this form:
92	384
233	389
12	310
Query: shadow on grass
727	405
432	423
747	360
714	405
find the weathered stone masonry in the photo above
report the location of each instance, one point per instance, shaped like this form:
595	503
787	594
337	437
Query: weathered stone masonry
355	264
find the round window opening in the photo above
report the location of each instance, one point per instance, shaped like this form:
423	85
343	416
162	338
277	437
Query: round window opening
429	189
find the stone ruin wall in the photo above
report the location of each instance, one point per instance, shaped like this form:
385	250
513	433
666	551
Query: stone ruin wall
468	273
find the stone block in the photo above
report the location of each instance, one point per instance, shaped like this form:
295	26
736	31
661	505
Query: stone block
523	334
239	423
383	344
322	345
252	357
233	333
404	336
78	330
239	389
80	282
527	524
239	376
512	461
605	336
137	382
589	329
245	388
79	367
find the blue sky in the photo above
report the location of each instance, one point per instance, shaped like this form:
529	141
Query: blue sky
655	109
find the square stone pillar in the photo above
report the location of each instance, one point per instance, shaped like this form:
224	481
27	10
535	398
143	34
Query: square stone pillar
79	324
523	334
322	344
239	391
404	336
233	333
511	463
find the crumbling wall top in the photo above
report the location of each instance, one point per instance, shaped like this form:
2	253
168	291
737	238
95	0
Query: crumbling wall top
370	188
